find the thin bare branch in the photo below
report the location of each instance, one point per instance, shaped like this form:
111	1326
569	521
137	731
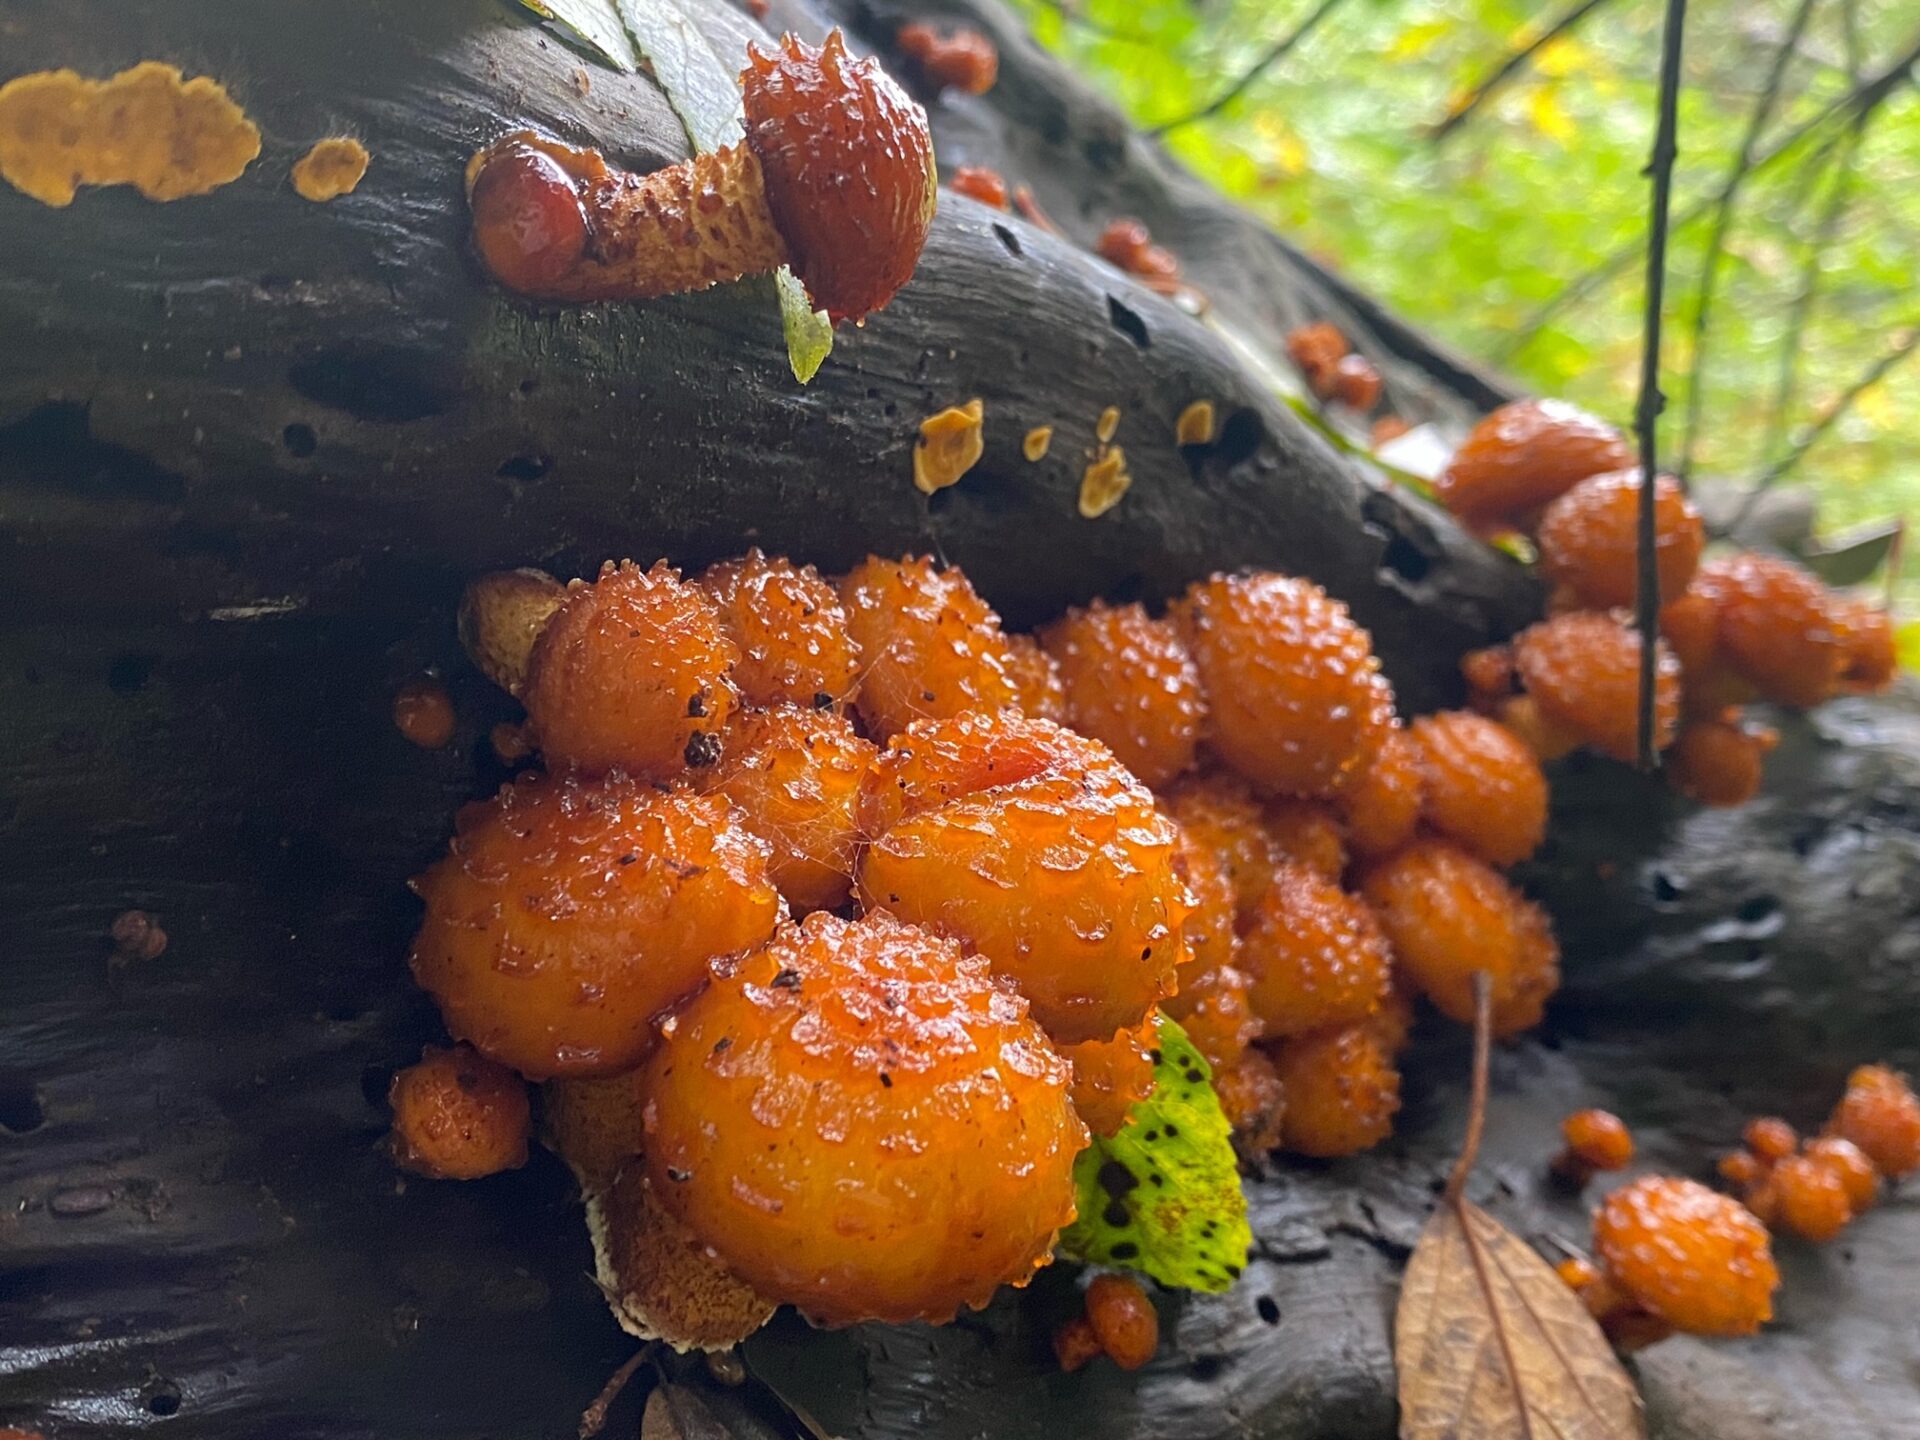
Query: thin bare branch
594	1418
1515	61
1646	414
1812	434
1073	16
1800	309
1477	1104
1863	99
1270	57
1757	122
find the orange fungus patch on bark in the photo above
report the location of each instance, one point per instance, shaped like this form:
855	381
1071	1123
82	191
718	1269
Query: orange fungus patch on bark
149	127
1104	482
950	444
332	168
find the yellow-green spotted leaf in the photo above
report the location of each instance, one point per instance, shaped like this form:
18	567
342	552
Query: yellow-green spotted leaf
1163	1196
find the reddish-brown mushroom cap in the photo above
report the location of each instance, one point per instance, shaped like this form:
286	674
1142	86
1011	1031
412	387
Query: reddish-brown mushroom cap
528	222
848	161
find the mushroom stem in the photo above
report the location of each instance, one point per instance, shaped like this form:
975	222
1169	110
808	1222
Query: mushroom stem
835	178
1571	1170
699	223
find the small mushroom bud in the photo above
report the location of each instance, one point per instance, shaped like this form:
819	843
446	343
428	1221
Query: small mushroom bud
527	217
1126	244
501	614
963	60
982	183
835	178
1596	1140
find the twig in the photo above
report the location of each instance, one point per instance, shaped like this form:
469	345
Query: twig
1646	414
1477	1100
1505	71
1074	17
594	1418
1828	418
1801	307
1763	109
1272	56
1808	175
1896	560
1858	102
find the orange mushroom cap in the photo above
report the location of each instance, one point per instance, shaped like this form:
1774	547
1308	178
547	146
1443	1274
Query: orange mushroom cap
848	161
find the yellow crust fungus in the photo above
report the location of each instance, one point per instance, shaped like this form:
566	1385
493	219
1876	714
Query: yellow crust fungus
1104	482
332	168
1034	447
950	444
148	127
1108	422
1195	425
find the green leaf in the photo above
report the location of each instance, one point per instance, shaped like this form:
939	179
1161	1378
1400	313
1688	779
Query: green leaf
1852	557
1163	1196
809	332
1906	646
705	94
595	23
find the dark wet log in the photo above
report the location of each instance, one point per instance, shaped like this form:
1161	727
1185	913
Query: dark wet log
1796	913
321	391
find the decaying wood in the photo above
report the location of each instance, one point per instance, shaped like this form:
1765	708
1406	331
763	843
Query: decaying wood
326	396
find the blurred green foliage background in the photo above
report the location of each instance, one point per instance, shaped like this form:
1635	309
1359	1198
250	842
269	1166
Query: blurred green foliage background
1517	233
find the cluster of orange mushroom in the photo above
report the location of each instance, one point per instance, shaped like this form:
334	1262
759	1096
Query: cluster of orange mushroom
1333	369
1818	1186
1671	1255
1733	628
870	905
835	917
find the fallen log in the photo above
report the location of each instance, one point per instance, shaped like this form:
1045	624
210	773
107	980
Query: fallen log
320	392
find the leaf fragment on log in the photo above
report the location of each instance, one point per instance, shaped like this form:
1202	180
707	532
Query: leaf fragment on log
1488	1341
1491	1343
1163	1196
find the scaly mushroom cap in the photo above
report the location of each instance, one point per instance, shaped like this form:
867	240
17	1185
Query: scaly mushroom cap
849	170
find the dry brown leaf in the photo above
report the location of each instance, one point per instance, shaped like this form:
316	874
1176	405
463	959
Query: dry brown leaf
657	1422
1489	1343
1492	1344
676	1413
